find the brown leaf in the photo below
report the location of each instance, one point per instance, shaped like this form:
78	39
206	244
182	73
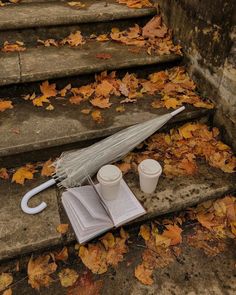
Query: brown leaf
7	292
76	99
48	90
62	255
4	174
64	91
68	277
17	46
74	39
63	228
97	116
102	38
5	105
100	102
39	271
144	274
154	28
85	286
48	169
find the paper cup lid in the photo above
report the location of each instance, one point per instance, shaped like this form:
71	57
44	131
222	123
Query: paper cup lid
109	173
150	167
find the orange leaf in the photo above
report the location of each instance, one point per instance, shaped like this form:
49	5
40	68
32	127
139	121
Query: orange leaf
174	233
97	116
40	100
23	173
6	280
18	46
143	274
102	103
48	90
76	99
48	169
124	167
104	89
63	228
62	255
4	174
5	105
7	292
102	38
64	90
74	39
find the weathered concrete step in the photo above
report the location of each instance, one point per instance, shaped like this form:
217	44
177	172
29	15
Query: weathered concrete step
21	233
32	15
44	63
39	129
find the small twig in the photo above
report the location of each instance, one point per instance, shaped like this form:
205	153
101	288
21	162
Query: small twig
17	282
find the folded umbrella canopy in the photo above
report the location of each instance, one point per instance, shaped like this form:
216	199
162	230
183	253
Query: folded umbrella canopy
72	168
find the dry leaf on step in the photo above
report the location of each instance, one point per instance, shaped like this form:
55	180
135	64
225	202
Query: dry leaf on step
47	169
5	105
68	277
144	274
40	270
74	39
63	228
62	255
6	279
23	173
48	90
76	4
7	292
97	116
18	46
100	102
102	38
4	174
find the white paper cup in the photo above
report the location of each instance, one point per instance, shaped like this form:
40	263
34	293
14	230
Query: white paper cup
109	177
149	173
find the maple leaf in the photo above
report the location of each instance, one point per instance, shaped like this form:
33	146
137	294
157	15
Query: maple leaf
103	55
102	38
170	102
100	102
40	100
154	28
124	167
6	279
85	286
104	89
23	173
48	42
76	99
5	105
68	277
74	39
48	90
108	240
63	228
39	271
62	255
18	46
48	169
173	232
3	173
97	116
65	90
144	274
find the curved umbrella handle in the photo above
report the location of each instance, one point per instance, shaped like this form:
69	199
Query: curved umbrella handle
33	192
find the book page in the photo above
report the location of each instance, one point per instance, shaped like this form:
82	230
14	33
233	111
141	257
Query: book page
125	207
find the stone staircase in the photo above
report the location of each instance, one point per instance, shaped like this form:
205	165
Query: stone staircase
43	134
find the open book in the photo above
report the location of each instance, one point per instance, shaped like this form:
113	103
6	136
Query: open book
91	215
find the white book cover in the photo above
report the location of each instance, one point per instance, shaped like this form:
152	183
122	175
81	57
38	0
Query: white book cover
91	215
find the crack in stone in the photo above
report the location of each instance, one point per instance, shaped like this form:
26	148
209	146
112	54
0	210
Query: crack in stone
20	66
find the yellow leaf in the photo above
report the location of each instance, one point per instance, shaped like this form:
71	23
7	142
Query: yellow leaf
6	279
23	173
108	240
187	130
63	228
39	271
144	274
5	105
48	90
68	277
76	4
40	100
145	232
48	169
172	103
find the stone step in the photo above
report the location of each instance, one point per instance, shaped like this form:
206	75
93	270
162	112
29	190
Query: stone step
21	233
42	63
28	130
33	15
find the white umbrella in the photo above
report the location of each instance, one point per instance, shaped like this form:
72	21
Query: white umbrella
73	167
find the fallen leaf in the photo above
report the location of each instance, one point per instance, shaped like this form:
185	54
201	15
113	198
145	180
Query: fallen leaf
50	107
145	232
5	105
64	91
63	228
97	116
62	255
17	46
144	274
48	90
23	173
48	169
136	3
102	38
124	167
86	111
76	4
4	174
76	99
48	42
74	39
6	280
68	277
39	271
39	101
155	28
173	232
108	240
85	286
7	292
101	102
103	55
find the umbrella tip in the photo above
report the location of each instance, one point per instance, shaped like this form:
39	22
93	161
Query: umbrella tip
177	111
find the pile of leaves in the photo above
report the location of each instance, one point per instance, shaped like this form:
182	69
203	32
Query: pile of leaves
136	3
160	250
109	251
23	173
180	148
174	88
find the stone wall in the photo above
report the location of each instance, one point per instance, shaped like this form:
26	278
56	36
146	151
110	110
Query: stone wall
207	33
